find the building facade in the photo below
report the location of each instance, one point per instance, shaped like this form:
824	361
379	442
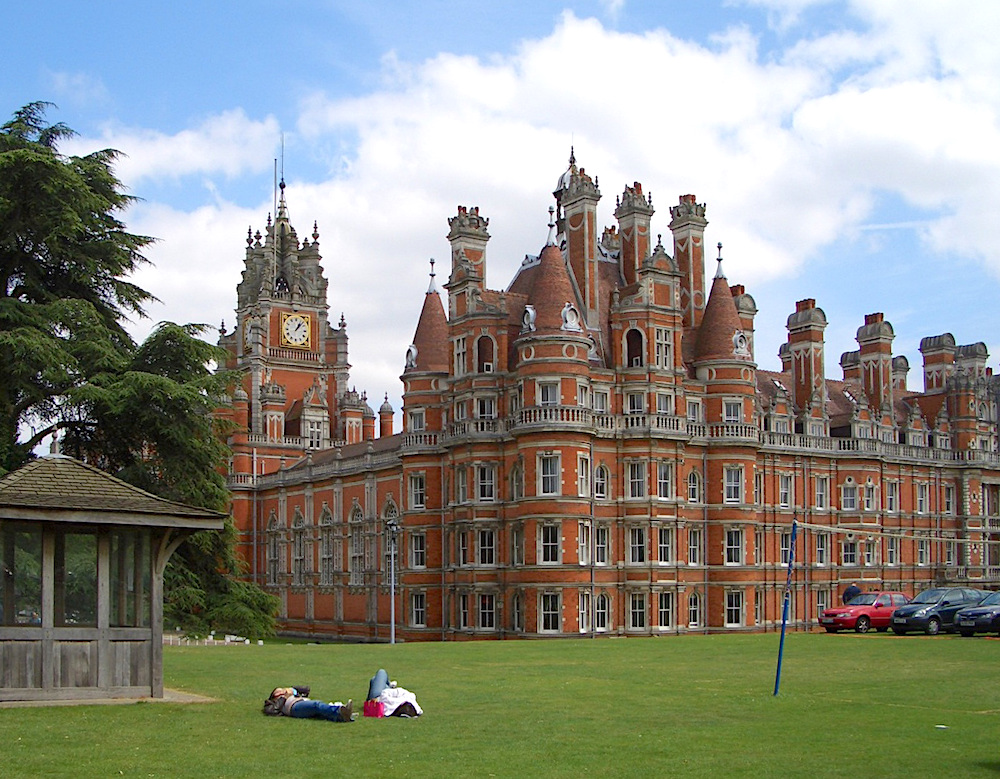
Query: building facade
593	450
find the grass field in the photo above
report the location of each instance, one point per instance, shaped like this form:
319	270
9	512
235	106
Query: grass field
691	706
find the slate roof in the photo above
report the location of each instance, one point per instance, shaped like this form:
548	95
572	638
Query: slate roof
62	488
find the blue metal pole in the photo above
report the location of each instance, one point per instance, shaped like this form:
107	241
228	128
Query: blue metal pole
784	608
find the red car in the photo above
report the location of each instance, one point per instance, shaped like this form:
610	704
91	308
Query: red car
865	611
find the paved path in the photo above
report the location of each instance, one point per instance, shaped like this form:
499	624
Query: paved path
169	696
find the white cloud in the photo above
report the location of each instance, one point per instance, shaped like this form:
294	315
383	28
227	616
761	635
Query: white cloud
229	143
791	153
78	88
195	263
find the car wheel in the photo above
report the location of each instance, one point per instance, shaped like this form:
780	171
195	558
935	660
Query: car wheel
863	625
933	626
968	633
899	631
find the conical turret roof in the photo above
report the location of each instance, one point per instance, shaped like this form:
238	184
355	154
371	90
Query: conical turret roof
431	336
551	291
718	337
548	288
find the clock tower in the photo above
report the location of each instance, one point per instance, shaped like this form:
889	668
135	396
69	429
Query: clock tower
291	360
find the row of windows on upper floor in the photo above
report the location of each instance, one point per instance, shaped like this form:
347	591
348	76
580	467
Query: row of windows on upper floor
548	392
594	545
636	353
638	475
734	410
854	497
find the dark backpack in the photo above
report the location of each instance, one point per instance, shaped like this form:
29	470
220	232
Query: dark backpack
272	706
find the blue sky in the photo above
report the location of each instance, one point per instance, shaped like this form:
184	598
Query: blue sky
847	151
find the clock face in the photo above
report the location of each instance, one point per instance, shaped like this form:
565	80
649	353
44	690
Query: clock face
295	330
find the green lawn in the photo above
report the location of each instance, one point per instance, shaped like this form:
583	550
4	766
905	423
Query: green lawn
692	706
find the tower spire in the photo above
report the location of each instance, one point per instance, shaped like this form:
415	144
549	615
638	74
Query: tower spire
431	288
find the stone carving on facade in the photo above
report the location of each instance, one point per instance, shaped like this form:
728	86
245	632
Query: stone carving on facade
741	346
528	319
570	318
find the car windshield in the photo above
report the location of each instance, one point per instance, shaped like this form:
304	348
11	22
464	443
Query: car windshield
992	600
865	599
930	596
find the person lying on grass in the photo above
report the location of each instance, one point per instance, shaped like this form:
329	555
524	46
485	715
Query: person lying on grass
295	702
396	701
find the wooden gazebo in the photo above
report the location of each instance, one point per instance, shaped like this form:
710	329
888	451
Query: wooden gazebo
83	554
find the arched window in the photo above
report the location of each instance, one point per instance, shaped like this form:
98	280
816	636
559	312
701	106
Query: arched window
390	513
602	612
694	487
694	610
485	355
357	541
634	354
516	483
601	482
517	613
326	547
273	549
298	549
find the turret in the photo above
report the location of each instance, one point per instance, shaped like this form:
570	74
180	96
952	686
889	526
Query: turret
688	224
385	414
746	307
939	361
577	197
875	339
468	237
806	355
367	419
900	369
633	213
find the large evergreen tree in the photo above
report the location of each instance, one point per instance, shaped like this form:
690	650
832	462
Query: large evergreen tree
69	368
64	259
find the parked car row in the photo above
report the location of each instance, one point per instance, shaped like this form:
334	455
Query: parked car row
864	612
984	617
964	609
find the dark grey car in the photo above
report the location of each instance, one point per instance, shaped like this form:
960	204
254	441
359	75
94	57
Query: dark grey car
934	609
983	618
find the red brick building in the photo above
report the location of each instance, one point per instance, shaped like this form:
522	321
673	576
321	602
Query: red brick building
593	450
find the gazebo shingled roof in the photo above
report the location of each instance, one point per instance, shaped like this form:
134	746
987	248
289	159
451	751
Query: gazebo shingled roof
68	487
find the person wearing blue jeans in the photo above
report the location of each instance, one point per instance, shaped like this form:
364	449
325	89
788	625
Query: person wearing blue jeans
396	701
378	683
295	702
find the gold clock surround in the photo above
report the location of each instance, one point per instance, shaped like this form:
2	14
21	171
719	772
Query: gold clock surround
296	330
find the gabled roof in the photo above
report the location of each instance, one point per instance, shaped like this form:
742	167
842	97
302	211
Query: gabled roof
62	489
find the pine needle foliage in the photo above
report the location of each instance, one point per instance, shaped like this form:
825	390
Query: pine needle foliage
143	412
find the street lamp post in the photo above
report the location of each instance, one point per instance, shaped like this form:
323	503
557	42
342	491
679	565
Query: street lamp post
392	527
